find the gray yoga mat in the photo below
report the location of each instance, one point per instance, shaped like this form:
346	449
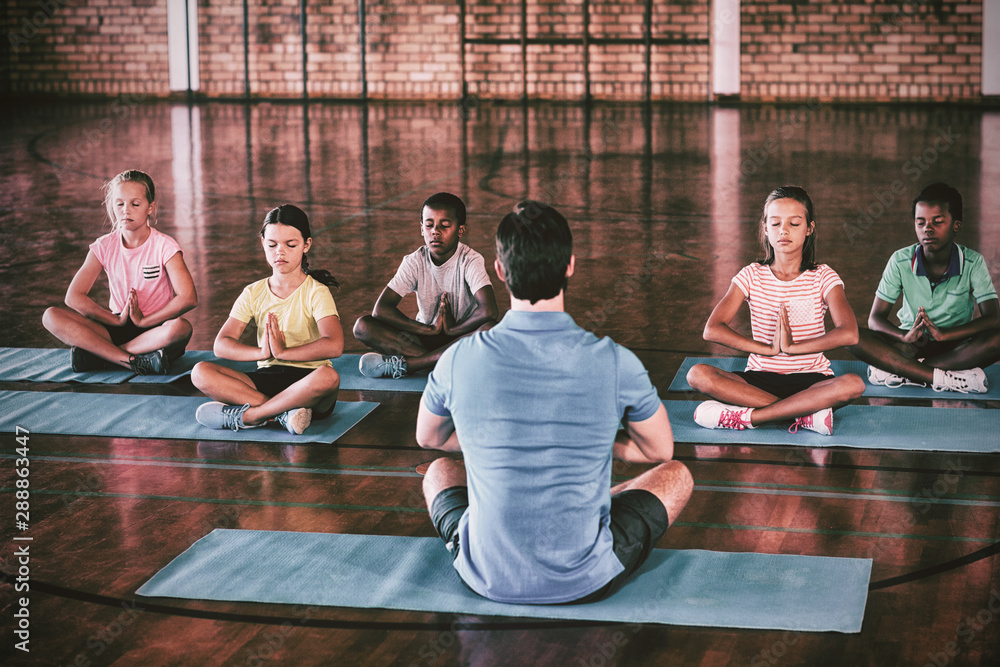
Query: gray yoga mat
864	426
859	368
53	365
678	587
346	365
172	417
39	364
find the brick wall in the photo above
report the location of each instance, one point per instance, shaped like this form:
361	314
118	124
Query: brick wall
855	50
95	47
861	50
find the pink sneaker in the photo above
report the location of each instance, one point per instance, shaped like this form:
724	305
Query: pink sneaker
821	422
712	414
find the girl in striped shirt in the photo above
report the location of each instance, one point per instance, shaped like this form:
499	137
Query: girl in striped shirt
787	376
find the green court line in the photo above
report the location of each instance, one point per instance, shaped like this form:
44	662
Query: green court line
845	533
717	486
841	489
422	510
224	501
338	470
283	464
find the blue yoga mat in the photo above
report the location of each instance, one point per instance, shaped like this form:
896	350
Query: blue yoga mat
864	426
172	417
182	367
37	364
346	365
53	365
859	368
690	587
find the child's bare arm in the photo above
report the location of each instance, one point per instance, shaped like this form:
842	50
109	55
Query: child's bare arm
989	318
717	329
78	294
485	312
329	345
878	320
387	311
228	346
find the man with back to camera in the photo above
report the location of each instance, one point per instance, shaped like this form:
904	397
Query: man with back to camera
535	406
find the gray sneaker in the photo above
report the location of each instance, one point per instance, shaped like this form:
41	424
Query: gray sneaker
150	363
375	365
296	420
219	415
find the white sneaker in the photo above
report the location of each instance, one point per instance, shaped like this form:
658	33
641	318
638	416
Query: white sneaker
887	379
969	381
821	422
712	414
296	420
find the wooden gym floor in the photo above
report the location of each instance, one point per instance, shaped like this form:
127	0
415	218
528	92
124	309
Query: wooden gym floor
664	205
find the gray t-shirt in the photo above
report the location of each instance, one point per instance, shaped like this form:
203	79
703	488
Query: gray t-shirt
536	402
461	277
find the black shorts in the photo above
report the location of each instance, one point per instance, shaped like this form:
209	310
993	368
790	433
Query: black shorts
782	385
638	521
272	380
121	334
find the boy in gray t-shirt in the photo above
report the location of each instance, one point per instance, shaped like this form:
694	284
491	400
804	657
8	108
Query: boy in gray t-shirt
454	297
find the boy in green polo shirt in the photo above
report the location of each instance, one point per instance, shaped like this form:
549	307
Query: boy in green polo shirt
939	340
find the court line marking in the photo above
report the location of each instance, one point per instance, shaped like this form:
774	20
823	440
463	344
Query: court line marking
423	510
720	486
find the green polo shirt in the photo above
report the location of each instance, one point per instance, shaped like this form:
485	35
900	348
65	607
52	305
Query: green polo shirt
950	302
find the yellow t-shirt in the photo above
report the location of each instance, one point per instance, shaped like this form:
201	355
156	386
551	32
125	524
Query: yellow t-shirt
298	315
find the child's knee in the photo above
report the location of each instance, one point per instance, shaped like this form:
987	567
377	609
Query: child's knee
178	329
362	327
201	374
852	386
326	379
697	376
51	318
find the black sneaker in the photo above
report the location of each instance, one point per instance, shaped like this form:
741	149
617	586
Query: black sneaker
150	363
84	362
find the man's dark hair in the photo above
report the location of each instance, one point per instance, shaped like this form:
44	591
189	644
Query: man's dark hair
445	201
939	194
534	246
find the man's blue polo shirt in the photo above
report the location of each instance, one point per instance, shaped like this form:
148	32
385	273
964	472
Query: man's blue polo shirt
536	402
950	302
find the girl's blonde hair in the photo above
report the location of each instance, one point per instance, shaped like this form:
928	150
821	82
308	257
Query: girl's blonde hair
128	176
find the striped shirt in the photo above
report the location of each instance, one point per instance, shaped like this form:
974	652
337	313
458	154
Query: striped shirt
806	299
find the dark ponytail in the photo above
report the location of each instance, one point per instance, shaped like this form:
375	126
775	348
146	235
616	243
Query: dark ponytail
293	216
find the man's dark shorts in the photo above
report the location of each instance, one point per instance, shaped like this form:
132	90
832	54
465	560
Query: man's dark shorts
638	521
